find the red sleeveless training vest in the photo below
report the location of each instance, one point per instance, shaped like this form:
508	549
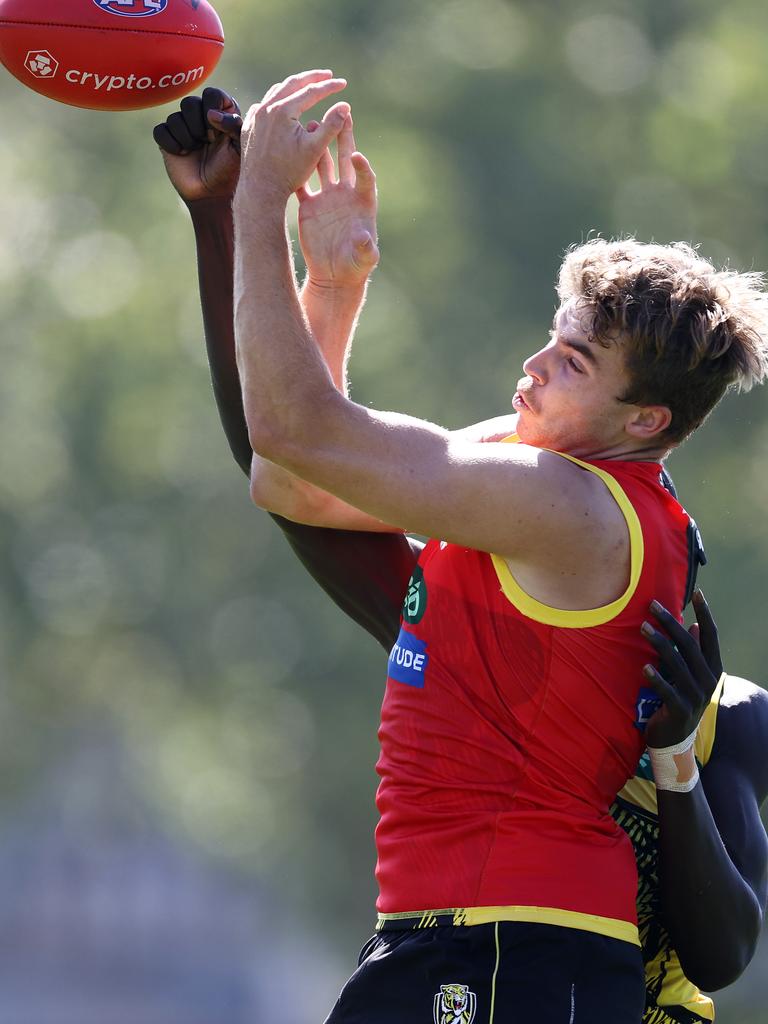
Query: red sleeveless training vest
508	727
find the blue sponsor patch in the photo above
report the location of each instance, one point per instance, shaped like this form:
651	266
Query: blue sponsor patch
408	660
648	702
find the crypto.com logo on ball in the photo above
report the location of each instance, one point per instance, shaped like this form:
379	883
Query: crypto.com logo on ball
132	8
41	63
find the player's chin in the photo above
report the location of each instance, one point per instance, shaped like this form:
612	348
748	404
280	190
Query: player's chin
532	431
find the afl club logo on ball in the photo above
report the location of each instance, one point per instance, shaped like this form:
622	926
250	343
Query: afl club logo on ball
41	63
132	8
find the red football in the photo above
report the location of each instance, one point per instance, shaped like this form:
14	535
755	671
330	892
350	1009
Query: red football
110	54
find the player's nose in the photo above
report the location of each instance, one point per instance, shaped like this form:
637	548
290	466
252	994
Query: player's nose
535	367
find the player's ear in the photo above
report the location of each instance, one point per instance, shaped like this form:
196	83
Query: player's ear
648	422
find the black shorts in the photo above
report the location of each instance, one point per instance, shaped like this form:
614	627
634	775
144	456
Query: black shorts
509	972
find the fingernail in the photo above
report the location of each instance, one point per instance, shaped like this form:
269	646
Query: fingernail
215	115
648	670
656	607
647	628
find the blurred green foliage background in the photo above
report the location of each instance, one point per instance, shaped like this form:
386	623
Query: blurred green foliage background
143	600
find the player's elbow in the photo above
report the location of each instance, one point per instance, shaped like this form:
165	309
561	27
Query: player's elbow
723	962
264	439
715	976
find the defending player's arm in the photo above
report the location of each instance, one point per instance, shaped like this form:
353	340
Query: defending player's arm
713	851
365	574
338	234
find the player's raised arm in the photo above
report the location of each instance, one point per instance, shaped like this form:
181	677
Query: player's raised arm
201	151
398	469
713	852
203	165
365	574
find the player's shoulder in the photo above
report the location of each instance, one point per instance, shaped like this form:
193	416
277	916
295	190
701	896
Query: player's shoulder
744	704
741	735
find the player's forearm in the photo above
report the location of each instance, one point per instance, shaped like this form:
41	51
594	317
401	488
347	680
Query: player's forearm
214	236
283	375
711	913
333	313
280	491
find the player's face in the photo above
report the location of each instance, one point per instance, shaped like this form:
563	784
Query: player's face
569	398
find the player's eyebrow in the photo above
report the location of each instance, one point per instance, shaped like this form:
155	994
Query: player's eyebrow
583	348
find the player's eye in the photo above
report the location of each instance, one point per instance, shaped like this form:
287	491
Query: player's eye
574	365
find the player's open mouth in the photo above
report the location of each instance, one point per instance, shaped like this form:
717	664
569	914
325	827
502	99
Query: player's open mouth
519	403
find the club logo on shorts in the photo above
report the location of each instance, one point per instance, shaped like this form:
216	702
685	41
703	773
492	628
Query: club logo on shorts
132	8
455	1004
415	603
41	63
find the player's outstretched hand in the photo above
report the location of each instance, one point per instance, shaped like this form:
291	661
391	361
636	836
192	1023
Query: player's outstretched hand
200	144
690	669
337	223
279	154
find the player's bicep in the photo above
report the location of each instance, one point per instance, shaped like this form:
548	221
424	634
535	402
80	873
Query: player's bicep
735	805
506	499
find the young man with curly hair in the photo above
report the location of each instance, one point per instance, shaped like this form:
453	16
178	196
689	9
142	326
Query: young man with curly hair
514	711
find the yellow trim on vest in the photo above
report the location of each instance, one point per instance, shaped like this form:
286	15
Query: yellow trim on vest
584	618
705	734
469	916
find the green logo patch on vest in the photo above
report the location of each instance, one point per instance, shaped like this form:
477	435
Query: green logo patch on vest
415	603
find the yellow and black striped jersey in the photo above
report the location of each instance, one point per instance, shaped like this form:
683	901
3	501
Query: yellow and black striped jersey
670	997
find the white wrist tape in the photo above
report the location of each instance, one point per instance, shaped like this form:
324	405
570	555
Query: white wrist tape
674	768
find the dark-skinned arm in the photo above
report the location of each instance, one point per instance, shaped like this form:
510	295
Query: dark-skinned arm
215	241
713	852
365	574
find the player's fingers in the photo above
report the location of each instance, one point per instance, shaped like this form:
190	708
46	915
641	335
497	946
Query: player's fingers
166	141
675	629
365	179
290	85
227	124
326	172
303	194
665	690
345	144
177	126
710	643
217	99
191	109
299	102
676	668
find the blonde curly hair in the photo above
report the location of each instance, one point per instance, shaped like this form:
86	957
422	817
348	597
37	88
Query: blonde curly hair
690	332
